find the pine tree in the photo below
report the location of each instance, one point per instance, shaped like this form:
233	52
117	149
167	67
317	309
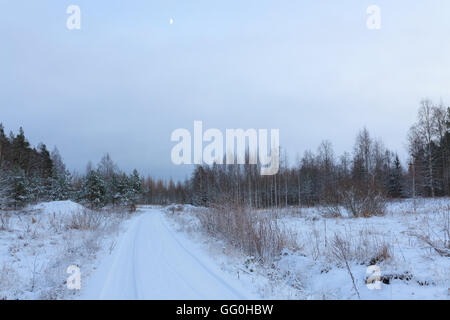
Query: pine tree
60	186
114	189
61	179
395	188
38	188
5	189
46	163
121	187
3	143
93	190
134	187
21	191
20	150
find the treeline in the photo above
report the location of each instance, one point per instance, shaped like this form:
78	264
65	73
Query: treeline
30	175
357	180
316	178
429	148
26	174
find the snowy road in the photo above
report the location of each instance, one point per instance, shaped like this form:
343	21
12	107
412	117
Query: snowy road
151	261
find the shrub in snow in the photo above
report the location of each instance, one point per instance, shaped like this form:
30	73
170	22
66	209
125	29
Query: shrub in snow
256	235
330	211
363	203
86	220
437	239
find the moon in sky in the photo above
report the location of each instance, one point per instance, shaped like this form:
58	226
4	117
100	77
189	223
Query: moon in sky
171	21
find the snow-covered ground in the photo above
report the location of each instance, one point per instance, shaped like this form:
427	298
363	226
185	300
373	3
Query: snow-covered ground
154	262
165	254
410	268
39	243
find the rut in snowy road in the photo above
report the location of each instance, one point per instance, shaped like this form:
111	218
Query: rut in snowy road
151	261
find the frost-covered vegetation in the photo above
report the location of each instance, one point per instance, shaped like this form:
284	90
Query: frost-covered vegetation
29	175
39	243
360	181
328	257
309	231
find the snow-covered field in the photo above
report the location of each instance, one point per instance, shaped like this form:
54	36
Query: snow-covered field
39	243
400	244
165	253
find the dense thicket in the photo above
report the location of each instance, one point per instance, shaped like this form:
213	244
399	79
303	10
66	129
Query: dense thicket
356	180
29	175
26	174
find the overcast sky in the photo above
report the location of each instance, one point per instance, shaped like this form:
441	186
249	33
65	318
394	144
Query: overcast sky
128	78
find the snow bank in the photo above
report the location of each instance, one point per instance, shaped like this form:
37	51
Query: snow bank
65	208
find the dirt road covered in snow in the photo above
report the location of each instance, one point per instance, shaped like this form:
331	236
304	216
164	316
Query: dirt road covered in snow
151	261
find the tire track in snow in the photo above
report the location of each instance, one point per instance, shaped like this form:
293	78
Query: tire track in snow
152	263
201	264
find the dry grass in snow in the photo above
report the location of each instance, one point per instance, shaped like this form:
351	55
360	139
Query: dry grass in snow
37	245
302	253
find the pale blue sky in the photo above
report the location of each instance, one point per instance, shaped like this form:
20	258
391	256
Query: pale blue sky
128	78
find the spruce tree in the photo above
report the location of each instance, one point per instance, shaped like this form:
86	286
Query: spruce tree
121	190
395	188
6	189
21	191
61	178
93	190
134	187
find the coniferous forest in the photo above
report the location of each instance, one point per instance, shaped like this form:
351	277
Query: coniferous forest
365	174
